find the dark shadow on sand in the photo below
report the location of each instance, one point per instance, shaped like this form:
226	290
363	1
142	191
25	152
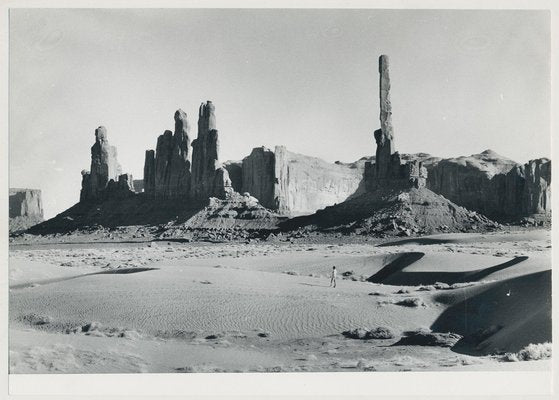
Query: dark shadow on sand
394	273
420	241
68	278
488	307
310	284
397	265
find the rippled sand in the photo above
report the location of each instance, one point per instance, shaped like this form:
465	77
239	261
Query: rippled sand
171	307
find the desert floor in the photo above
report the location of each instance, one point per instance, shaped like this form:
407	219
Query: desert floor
94	307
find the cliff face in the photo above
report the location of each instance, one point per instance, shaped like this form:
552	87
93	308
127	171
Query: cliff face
494	185
536	194
525	190
297	184
26	208
259	176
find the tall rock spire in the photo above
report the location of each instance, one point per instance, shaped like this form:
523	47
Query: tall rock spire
388	171
167	173
104	166
105	179
384	136
209	178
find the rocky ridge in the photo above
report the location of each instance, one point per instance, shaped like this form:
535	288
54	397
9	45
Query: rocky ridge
180	184
494	185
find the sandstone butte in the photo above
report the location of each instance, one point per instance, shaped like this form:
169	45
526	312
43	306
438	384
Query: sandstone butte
387	192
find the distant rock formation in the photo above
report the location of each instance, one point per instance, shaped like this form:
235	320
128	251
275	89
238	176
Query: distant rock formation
386	192
292	183
26	209
494	185
169	172
396	201
536	190
209	177
388	169
104	167
105	179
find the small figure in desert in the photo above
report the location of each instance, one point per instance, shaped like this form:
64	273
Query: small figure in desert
333	277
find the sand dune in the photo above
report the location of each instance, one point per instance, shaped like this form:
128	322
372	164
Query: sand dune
517	309
191	308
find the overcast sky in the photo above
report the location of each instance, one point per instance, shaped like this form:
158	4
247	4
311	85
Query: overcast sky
462	82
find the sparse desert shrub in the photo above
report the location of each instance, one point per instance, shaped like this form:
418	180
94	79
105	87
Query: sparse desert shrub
430	339
214	336
380	332
540	351
92	326
441	286
132	335
416	331
358	333
410	302
35	319
435	286
460	285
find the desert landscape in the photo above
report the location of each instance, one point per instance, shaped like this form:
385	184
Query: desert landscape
209	266
450	301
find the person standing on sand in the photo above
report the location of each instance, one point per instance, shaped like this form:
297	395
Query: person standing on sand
333	277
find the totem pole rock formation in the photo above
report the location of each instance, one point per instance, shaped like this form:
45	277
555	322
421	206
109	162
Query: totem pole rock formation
104	167
388	169
209	177
384	136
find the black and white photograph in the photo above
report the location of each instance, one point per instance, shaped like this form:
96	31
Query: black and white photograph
216	191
